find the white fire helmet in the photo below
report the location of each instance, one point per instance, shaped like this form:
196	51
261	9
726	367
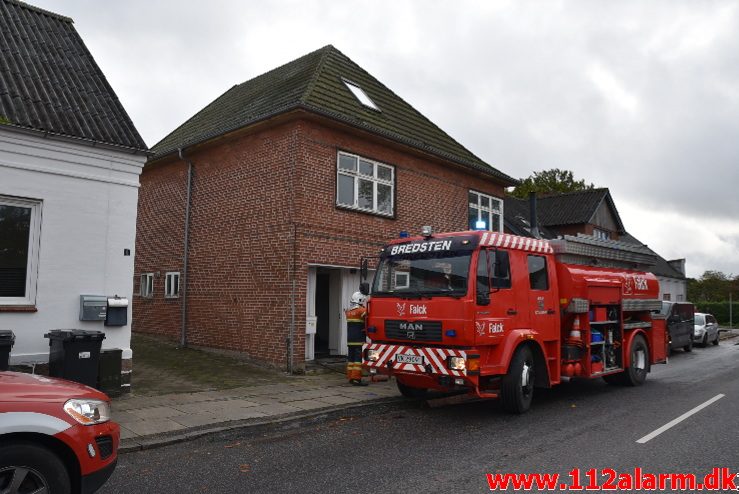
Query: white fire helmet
357	299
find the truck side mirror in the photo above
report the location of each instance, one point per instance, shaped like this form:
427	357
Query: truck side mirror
363	271
364	288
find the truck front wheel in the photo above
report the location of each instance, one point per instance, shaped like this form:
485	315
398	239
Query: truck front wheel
517	386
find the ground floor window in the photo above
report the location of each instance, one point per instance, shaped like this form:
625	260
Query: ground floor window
146	289
172	285
20	233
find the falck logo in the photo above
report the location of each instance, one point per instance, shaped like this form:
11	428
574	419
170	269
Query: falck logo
480	328
401	309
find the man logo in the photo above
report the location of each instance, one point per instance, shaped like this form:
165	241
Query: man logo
410	326
401	309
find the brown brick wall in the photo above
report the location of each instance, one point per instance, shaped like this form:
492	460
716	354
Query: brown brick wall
245	218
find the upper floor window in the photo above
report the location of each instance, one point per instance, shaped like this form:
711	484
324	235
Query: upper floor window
172	285
485	210
601	234
147	285
365	184
20	233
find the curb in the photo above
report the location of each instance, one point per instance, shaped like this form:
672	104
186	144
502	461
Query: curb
286	421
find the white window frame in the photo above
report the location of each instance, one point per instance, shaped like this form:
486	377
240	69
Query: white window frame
168	292
360	94
402	274
146	286
356	175
488	211
601	234
34	244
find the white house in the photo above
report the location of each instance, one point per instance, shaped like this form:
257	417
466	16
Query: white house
70	160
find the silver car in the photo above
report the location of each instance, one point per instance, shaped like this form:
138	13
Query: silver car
706	329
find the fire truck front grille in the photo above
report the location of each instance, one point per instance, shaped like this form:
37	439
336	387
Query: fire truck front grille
413	330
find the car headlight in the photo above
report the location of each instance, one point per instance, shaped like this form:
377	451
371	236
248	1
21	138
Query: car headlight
456	363
372	355
88	412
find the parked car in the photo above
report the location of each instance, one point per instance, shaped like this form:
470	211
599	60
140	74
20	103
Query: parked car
705	329
680	324
56	436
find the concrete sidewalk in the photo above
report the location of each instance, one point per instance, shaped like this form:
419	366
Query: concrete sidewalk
149	421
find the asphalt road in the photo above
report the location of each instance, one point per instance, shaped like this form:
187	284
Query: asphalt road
584	424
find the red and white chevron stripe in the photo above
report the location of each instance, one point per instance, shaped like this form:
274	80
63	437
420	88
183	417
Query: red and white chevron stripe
506	241
436	357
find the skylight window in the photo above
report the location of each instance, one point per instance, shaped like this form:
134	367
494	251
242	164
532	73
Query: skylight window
359	93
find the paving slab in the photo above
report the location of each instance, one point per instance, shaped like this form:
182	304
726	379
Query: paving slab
151	413
310	404
154	426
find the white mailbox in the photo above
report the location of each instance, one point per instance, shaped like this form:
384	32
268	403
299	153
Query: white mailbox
311	322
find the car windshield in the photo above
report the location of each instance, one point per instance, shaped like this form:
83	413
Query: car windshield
700	320
414	270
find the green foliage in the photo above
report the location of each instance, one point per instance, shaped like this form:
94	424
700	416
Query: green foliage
720	310
713	286
548	182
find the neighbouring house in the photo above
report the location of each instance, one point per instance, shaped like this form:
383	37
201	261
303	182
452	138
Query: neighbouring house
591	212
292	177
70	160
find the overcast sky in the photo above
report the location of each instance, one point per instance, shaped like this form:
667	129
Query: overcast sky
641	97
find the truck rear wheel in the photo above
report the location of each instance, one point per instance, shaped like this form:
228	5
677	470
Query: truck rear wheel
517	386
636	373
409	392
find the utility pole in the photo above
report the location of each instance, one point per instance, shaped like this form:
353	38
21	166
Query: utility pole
731	314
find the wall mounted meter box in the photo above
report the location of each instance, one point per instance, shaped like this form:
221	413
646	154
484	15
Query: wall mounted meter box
93	307
117	313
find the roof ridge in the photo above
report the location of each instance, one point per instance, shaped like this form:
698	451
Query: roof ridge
319	68
40	10
575	192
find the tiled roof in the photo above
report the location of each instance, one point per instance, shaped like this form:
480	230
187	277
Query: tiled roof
516	216
49	81
315	82
662	267
572	208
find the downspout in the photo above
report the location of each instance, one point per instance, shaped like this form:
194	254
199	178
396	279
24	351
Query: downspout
186	249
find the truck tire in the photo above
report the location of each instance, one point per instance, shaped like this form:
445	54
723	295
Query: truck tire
517	386
410	392
27	467
636	373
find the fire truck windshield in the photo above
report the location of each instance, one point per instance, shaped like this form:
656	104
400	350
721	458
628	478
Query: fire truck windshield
418	274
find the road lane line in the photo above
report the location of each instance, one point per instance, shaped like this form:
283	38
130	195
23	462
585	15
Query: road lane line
682	417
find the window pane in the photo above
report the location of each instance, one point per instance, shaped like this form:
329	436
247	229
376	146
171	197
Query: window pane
472	217
346	190
366	168
484	201
495	223
538	273
495	205
15	228
366	194
347	162
472	198
384	172
384	198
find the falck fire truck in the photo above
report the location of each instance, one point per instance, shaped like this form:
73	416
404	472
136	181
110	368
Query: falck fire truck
496	315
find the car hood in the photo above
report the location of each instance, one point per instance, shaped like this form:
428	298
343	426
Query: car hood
20	387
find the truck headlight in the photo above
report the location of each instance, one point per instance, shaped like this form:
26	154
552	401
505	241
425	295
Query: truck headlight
372	355
88	412
456	363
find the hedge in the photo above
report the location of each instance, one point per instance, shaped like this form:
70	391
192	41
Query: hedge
720	310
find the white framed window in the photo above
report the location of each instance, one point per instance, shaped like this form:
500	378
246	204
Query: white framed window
365	184
172	285
601	234
359	93
146	289
485	209
20	236
402	280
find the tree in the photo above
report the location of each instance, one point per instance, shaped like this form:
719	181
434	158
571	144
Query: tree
712	286
550	181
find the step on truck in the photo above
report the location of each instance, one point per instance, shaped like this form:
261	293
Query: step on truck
497	315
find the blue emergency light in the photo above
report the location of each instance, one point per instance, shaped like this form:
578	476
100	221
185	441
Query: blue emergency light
404	234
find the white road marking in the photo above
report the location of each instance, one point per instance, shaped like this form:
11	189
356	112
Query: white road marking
682	417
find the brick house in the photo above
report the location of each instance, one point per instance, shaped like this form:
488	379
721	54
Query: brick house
591	212
293	177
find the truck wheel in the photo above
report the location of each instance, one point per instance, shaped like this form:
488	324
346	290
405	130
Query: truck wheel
636	374
517	386
409	392
26	468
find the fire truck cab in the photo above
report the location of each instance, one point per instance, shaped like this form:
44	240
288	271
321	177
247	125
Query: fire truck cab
496	315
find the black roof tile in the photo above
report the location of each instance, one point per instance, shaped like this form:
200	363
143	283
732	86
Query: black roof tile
50	82
315	82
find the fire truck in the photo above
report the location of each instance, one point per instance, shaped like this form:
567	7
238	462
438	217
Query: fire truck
495	315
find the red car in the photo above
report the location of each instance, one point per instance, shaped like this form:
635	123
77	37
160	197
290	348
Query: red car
55	436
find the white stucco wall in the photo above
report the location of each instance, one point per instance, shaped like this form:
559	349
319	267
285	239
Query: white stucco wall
678	289
89	198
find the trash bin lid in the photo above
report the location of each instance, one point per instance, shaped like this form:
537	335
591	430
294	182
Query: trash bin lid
74	334
6	335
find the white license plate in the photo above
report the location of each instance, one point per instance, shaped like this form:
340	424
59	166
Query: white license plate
409	359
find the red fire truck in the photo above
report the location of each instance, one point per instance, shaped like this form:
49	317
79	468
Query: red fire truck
495	315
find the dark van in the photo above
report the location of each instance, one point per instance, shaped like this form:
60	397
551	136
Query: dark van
680	324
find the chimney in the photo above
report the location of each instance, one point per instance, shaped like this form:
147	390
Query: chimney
533	220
